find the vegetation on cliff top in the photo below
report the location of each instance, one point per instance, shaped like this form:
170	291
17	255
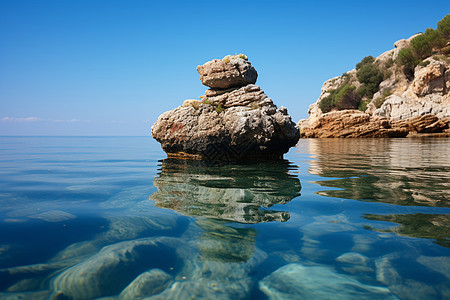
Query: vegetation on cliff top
424	45
368	74
342	98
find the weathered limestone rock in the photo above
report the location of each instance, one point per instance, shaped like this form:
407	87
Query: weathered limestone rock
228	72
233	121
430	79
428	124
249	95
409	105
354	123
192	102
351	123
399	45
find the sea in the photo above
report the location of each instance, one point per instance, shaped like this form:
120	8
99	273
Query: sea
114	218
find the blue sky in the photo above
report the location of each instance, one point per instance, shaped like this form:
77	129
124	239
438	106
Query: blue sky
105	67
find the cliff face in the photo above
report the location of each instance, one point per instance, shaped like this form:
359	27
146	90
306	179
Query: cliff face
380	99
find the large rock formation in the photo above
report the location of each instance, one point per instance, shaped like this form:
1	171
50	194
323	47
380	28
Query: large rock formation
403	105
233	120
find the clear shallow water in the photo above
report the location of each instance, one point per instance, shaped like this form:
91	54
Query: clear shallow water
85	218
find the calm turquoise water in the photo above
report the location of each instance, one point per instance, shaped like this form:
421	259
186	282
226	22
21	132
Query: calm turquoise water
111	218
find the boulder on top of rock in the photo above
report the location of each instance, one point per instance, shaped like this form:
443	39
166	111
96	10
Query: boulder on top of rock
231	71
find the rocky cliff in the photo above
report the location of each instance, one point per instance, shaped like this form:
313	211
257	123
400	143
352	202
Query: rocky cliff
404	91
233	120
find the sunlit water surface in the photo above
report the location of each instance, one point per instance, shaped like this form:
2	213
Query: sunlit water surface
111	218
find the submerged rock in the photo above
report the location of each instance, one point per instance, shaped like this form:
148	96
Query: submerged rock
147	284
25	295
234	120
206	277
223	243
440	264
388	273
200	289
53	216
295	281
353	258
113	268
354	263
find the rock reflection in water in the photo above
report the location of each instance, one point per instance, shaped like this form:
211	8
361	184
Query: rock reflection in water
410	171
218	194
224	243
406	172
237	193
418	225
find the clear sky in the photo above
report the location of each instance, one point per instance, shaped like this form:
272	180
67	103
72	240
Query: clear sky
106	67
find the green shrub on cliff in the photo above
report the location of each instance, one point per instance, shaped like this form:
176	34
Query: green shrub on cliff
424	63
446	50
343	97
362	106
435	38
370	76
422	46
408	60
378	102
346	98
444	27
326	104
366	60
389	63
219	108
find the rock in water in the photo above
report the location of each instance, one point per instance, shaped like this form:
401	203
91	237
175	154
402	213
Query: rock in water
114	267
295	281
234	119
147	284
